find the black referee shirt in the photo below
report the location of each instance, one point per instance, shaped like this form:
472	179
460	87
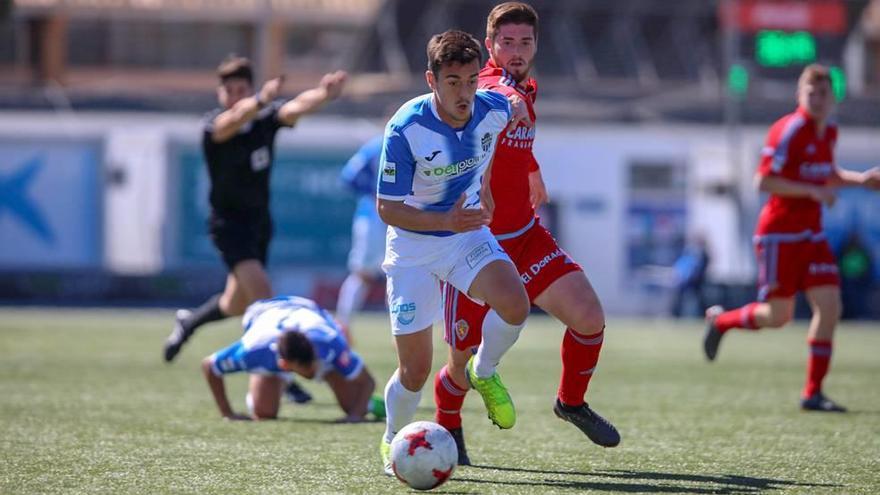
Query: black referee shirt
239	167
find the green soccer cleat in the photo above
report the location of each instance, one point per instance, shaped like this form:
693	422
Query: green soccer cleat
385	451
495	396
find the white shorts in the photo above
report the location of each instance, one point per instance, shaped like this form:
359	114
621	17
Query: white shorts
416	264
367	243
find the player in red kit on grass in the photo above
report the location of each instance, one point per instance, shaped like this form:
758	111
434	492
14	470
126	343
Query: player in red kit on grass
797	168
554	282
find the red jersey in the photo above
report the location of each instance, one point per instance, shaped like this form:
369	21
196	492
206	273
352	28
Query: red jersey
513	155
795	151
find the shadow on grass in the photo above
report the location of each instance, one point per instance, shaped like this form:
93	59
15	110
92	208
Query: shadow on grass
326	421
723	484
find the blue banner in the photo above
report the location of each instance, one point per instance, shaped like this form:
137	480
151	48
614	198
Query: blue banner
51	213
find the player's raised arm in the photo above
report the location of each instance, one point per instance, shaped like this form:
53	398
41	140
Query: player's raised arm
308	101
227	124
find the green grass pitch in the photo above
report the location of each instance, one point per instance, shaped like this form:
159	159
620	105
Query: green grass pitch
88	406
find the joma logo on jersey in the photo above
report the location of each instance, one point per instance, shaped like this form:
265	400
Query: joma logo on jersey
405	312
455	168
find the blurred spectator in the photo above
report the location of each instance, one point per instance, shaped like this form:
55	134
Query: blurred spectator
690	277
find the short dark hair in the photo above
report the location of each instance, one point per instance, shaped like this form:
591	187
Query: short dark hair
511	13
235	67
814	73
295	347
452	46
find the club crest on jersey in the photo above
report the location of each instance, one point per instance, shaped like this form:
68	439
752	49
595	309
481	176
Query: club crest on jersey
486	141
461	329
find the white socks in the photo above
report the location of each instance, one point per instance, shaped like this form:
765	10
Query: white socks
400	406
351	298
498	337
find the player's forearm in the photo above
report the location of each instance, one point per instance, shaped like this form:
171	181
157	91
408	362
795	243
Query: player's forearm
843	177
218	389
398	214
784	187
365	387
306	102
229	122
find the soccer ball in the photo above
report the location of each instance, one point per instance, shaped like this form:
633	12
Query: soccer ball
423	455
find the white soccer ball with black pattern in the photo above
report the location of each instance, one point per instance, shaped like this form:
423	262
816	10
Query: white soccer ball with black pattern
423	455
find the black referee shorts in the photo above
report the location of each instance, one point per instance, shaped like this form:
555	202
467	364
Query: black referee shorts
241	237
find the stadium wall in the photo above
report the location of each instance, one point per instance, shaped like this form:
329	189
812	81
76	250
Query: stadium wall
124	196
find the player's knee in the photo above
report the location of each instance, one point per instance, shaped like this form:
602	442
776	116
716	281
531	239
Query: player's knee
589	320
413	377
590	324
830	310
514	308
780	319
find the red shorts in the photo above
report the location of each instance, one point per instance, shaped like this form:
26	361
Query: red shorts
540	262
789	263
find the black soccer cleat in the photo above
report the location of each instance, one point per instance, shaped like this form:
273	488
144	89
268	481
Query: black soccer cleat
179	335
818	402
297	394
458	436
595	427
712	337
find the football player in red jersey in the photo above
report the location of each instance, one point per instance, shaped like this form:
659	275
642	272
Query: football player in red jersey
797	168
554	282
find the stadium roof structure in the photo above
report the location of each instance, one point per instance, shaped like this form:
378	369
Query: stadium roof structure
355	12
601	60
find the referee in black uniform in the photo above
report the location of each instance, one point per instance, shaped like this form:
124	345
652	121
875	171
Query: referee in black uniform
238	141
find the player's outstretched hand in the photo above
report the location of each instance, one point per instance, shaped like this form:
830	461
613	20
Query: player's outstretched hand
825	195
270	89
520	112
872	179
333	83
461	219
537	189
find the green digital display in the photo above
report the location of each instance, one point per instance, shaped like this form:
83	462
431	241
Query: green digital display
782	49
738	80
838	82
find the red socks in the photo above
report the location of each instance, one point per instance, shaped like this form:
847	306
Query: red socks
580	353
743	317
449	397
817	366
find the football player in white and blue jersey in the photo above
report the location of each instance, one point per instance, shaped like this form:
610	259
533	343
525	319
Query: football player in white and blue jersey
367	233
287	335
433	195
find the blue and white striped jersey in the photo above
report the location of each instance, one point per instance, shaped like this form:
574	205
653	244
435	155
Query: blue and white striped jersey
427	164
266	320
